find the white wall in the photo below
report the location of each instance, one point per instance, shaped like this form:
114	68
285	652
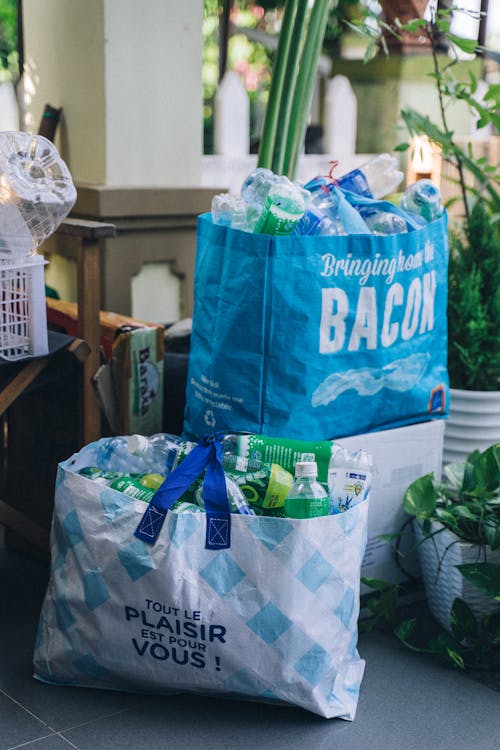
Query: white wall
64	43
128	76
154	93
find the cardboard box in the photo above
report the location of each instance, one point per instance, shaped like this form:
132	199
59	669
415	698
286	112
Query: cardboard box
400	456
129	384
137	374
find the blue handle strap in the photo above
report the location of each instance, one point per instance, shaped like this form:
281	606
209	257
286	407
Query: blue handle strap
206	455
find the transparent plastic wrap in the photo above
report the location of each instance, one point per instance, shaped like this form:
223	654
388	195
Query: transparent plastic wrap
36	193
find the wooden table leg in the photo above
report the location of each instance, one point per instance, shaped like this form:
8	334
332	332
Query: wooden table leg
89	305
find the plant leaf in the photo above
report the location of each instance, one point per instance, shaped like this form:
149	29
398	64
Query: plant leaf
375	583
466	45
491	529
448	649
454	473
420	498
462	620
464	512
486	576
404	630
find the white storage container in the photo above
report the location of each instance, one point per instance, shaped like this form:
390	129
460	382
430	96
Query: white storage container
23	315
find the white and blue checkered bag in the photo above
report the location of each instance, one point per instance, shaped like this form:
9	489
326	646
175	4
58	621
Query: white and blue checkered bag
268	614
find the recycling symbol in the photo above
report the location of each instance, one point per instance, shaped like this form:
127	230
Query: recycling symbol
210	418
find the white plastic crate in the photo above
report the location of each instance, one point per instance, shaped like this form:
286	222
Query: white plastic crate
23	314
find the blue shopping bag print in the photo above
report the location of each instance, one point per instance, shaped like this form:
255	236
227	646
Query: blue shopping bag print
317	336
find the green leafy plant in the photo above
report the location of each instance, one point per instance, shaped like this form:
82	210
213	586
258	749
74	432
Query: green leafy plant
474	304
474	261
467	503
292	84
8	35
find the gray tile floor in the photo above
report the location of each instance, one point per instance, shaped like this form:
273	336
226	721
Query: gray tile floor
407	701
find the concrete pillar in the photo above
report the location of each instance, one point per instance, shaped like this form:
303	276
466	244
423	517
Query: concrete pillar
128	77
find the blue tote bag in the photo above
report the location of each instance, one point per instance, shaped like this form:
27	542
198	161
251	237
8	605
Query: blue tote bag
319	337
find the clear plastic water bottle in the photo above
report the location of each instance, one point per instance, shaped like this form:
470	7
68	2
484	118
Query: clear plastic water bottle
424	199
313	222
328	201
377	177
236	498
321	216
96	474
284	207
113	455
256	187
158	452
232	211
306	498
384	223
36	192
349	478
239	464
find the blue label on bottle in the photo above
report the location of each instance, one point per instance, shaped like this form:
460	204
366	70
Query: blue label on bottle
355	182
309	224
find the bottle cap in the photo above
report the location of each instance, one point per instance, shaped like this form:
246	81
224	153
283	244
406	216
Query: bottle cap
137	444
306	469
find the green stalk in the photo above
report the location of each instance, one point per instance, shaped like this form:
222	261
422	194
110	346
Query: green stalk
285	104
275	92
304	86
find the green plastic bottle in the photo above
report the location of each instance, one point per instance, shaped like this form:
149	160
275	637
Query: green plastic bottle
307	498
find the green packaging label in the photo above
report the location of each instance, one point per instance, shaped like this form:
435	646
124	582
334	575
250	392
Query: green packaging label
132	488
267	487
286	452
279	216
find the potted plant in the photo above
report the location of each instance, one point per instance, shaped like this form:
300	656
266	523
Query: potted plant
457	526
457	523
474	260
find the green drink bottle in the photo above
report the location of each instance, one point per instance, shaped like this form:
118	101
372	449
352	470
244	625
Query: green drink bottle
307	498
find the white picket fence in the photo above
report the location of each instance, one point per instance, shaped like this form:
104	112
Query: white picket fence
232	162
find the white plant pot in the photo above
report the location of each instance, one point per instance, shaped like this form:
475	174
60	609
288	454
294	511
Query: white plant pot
473	423
443	582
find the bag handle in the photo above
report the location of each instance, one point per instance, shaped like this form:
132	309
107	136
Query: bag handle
206	455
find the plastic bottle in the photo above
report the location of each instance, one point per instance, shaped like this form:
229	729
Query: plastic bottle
98	475
286	452
384	223
321	216
424	199
113	455
349	478
36	192
237	501
327	201
306	498
265	488
256	187
284	207
158	452
232	211
377	177
239	464
133	488
313	222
